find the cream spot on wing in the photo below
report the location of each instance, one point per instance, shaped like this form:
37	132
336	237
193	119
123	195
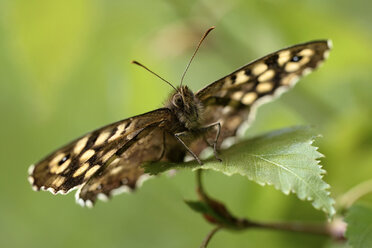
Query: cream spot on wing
284	57
132	135
115	162
121	189
306	71
91	171
142	179
108	155
222	93
249	98
233	122
320	63
118	132
87	155
326	54
89	203
116	170
304	60
292	66
30	179
57	158
95	186
330	44
81	170
237	95
62	167
51	190
58	181
132	123
228	142
102	197
31	169
306	52
259	68
241	77
264	87
125	181
266	75
81	144
228	109
290	80
102	138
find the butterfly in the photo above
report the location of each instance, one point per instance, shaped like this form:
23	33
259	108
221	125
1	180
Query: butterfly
108	160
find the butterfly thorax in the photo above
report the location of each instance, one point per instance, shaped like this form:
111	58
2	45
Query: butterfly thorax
186	107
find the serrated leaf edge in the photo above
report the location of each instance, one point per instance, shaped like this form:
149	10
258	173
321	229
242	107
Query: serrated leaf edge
325	187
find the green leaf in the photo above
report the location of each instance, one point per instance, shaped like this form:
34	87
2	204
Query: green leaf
359	226
285	159
203	208
197	206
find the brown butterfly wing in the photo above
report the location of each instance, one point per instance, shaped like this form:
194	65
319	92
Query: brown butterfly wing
125	173
233	99
74	164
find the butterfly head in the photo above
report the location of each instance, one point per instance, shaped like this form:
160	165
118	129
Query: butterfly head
186	106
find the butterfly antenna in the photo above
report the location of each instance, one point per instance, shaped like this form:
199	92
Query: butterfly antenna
138	63
196	50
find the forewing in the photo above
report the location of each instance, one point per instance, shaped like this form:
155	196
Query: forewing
233	99
74	164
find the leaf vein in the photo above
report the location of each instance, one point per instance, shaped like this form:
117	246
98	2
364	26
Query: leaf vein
293	173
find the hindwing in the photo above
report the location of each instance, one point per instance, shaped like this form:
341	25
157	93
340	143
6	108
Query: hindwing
125	173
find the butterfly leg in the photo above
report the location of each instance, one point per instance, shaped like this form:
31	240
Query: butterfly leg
178	135
207	128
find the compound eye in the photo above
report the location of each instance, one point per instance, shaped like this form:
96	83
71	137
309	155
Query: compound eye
178	101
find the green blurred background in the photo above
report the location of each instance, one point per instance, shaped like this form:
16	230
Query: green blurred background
64	70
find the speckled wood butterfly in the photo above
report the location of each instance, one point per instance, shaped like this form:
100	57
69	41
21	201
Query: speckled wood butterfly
108	160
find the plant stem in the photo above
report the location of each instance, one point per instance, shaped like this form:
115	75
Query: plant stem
209	236
199	185
355	193
335	229
319	229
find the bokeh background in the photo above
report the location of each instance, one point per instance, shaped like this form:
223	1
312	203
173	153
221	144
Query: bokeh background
65	70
